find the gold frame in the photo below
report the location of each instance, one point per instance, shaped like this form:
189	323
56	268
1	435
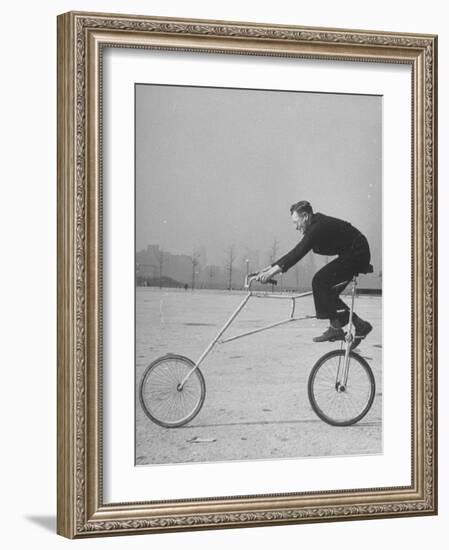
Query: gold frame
81	37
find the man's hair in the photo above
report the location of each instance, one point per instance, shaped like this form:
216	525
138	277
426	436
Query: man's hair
301	207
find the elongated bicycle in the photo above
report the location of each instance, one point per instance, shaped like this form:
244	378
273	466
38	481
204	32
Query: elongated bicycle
341	385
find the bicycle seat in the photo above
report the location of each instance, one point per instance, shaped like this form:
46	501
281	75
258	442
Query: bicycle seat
368	269
341	286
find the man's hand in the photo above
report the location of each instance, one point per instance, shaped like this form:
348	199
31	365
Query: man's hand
268	273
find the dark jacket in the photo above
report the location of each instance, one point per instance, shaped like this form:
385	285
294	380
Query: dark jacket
330	237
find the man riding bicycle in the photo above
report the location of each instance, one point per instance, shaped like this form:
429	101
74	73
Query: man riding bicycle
329	237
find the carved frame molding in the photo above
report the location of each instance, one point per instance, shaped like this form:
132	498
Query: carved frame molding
81	38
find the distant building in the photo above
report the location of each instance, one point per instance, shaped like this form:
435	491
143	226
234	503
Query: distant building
155	263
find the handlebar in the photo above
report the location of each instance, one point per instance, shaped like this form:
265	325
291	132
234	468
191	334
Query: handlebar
253	276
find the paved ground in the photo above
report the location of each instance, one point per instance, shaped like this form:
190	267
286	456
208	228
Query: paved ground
256	404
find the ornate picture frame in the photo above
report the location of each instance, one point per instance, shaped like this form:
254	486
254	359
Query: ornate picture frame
82	508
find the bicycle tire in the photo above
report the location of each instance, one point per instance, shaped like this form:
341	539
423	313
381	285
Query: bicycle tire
160	397
333	405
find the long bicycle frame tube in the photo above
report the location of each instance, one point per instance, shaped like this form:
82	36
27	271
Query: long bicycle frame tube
233	316
266	327
215	340
272	325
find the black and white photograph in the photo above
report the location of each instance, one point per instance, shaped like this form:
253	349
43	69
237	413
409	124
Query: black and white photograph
258	274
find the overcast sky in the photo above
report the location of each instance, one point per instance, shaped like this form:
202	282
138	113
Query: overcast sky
219	167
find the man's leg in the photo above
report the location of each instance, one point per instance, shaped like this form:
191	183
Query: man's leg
362	328
341	307
328	304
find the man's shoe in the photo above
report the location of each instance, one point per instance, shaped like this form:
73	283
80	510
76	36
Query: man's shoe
331	335
362	329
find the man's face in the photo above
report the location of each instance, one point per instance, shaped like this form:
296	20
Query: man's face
301	221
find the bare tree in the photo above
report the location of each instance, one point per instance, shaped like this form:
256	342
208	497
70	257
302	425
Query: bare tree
211	275
274	250
195	261
230	259
161	259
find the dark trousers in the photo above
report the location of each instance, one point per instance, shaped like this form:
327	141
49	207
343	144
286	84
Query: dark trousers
328	304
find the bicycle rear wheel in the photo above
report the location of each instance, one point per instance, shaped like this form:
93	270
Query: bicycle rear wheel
334	403
162	398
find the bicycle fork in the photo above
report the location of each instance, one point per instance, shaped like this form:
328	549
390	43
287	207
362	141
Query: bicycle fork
342	379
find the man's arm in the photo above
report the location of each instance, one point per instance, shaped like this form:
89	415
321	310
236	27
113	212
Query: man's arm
296	253
289	259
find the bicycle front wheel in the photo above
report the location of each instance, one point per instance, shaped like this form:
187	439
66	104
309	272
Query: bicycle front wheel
333	402
163	399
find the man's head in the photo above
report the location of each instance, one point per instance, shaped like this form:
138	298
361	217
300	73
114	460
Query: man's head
301	213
